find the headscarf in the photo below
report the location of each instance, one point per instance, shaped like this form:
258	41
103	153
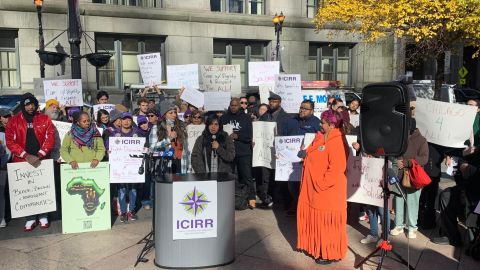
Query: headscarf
84	136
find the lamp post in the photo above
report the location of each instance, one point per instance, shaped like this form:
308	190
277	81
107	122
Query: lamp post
278	23
41	40
74	38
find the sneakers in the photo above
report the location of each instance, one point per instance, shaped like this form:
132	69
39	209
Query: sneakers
132	216
123	218
3	223
30	225
369	239
364	217
44	224
396	231
147	207
412	234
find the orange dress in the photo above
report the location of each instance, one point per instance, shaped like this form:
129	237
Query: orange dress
322	204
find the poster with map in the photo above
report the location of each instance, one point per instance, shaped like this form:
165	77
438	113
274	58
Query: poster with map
85	198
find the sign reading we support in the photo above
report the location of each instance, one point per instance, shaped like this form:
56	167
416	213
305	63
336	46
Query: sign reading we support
289	86
183	76
106	107
320	97
123	168
221	78
66	92
262	72
85	198
193	132
446	124
263	150
150	68
194	210
32	190
364	178
288	164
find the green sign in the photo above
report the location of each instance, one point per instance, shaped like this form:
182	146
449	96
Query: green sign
463	81
85	198
462	72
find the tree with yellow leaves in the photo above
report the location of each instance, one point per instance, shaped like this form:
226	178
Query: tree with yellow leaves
434	26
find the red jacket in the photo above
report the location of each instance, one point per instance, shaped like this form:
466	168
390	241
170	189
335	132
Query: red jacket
16	134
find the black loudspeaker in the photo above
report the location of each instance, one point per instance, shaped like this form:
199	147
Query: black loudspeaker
384	119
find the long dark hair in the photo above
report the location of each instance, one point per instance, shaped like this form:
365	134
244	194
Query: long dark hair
99	117
179	128
207	136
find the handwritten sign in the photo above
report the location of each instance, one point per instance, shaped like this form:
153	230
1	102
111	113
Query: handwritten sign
288	86
264	91
193	96
320	97
193	132
106	107
309	137
216	101
221	78
350	140
32	190
262	72
183	76
123	168
355	120
61	129
66	92
288	164
263	150
228	128
446	124
150	68
364	176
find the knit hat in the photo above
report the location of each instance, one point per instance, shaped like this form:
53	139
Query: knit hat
274	96
141	119
72	111
5	112
152	111
28	98
165	106
51	102
114	115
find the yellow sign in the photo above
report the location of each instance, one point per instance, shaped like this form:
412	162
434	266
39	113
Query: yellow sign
463	81
462	72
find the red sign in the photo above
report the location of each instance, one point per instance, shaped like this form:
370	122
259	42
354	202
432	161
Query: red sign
320	84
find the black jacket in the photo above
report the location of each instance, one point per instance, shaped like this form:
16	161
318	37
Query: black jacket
200	154
242	126
280	117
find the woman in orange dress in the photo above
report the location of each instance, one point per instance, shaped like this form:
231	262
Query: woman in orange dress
322	204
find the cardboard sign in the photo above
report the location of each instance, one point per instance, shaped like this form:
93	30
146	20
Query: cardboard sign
194	210
263	150
67	92
264	91
355	120
193	96
32	190
289	86
183	76
61	129
364	178
85	198
446	124
106	107
216	101
262	72
150	68
320	97
123	168
193	132
288	164
221	78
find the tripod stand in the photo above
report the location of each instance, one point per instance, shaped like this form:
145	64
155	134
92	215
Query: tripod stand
385	247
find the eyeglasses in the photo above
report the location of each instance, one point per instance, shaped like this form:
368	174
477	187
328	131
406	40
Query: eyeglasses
197	117
151	115
305	109
243	102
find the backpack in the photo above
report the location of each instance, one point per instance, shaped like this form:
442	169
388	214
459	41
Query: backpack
418	177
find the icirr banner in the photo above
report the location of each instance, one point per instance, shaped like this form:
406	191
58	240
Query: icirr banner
194	210
85	198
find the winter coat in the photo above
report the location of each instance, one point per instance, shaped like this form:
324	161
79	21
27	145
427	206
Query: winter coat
242	126
225	154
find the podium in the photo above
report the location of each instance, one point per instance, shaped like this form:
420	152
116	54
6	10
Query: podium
206	251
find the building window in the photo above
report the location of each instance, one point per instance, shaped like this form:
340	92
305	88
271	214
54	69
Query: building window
330	62
256	7
135	3
9	60
123	66
228	52
313	6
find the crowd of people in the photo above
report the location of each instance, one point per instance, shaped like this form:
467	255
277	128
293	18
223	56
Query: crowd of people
318	200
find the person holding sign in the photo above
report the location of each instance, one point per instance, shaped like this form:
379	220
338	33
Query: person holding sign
83	143
37	129
322	204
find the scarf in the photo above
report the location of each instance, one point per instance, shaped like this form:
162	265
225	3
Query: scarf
84	137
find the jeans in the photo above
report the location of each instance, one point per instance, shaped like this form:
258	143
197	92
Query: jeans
132	197
373	213
262	181
243	165
413	201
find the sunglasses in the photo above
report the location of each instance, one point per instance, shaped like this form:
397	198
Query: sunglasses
197	117
243	102
151	115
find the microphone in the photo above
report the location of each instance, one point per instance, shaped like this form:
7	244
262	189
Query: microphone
392	178
214	138
171	130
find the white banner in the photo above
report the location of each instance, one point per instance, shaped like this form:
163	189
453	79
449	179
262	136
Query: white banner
150	68
32	190
183	76
288	164
106	107
66	92
262	72
123	168
193	96
221	78
193	132
289	86
364	178
446	124
320	97
216	101
264	91
263	150
194	210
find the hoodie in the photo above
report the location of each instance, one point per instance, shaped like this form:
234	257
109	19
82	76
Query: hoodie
242	126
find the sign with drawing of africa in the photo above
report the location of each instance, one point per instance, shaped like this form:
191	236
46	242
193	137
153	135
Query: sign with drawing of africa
85	198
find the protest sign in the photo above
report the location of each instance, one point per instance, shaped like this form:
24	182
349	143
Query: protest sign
446	124
66	92
477	209
364	178
216	101
106	107
263	150
320	97
61	129
194	202
355	120
183	76
193	96
193	132
123	168
351	139
221	78
32	190
85	198
288	86
262	72
150	68
309	137
264	91
228	128
288	165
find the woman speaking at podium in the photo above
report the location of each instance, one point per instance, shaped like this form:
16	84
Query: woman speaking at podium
322	204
